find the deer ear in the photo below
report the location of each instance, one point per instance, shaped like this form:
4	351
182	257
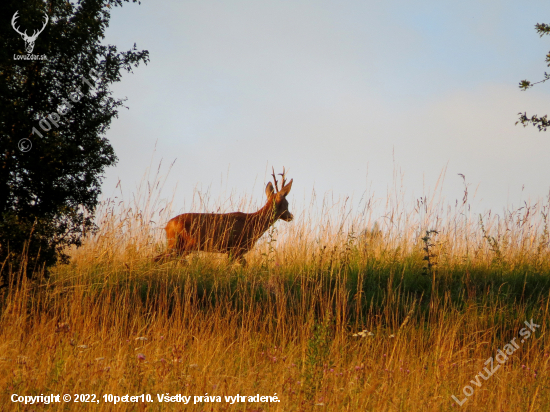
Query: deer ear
269	191
284	191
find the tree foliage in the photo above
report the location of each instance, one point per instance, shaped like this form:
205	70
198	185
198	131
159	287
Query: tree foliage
542	123
54	114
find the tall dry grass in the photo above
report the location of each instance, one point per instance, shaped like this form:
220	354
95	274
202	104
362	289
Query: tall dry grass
344	309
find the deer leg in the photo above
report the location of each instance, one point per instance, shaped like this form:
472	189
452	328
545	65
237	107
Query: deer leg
242	261
237	256
160	257
171	238
166	255
184	245
178	244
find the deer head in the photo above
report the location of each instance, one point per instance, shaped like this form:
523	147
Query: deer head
278	197
29	40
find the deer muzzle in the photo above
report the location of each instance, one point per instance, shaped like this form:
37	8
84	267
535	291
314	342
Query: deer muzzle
287	216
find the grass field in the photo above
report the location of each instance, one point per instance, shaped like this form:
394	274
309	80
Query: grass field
333	313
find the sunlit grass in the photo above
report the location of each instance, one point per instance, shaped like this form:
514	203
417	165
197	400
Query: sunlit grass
334	312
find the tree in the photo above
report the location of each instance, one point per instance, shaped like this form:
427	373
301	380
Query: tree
54	114
541	122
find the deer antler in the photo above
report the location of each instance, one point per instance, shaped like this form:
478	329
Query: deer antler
15	16
35	34
284	178
283	183
274	179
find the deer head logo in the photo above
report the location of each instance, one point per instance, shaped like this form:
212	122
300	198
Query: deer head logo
29	40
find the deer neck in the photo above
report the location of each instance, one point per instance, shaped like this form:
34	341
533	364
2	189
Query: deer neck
264	217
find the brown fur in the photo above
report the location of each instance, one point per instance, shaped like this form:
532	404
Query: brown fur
231	233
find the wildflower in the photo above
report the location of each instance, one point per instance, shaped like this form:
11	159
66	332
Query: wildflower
141	356
391	336
363	333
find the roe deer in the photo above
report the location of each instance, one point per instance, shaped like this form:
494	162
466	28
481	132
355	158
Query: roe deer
231	233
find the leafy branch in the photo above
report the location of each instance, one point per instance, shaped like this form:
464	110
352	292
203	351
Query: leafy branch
541	123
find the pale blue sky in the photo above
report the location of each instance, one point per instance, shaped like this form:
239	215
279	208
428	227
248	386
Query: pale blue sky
339	92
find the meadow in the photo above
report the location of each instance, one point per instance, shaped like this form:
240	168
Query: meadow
341	310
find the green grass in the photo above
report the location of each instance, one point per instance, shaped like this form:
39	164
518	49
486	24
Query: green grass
112	322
